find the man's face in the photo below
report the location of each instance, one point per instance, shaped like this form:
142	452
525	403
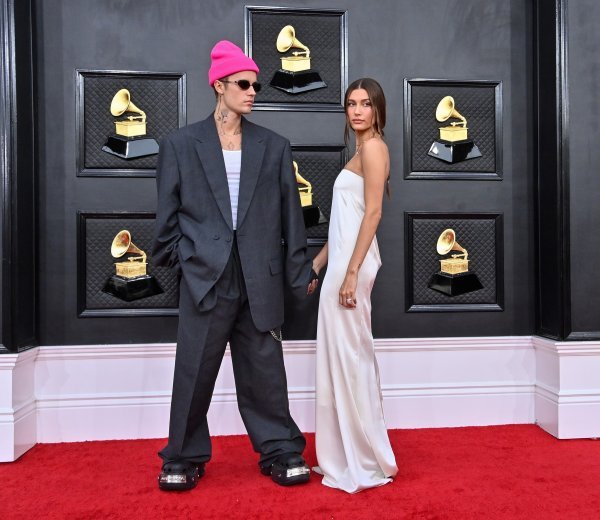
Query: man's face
234	97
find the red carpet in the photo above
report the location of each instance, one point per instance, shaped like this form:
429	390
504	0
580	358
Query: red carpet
457	473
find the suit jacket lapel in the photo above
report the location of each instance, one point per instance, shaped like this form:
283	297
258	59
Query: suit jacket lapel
209	151
253	150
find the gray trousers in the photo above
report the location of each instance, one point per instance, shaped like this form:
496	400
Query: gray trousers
258	368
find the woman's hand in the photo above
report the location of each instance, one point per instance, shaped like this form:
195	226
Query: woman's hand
318	263
314	281
347	296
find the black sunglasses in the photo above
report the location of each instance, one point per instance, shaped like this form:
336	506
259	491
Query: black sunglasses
244	84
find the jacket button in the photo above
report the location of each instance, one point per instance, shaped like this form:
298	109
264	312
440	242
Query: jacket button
216	237
228	239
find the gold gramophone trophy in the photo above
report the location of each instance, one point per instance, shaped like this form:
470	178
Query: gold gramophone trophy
313	216
129	140
454	277
131	281
295	75
453	145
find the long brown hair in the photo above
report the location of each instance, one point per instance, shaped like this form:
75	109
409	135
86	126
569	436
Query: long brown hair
377	98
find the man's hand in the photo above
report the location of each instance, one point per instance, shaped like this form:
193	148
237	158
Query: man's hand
313	283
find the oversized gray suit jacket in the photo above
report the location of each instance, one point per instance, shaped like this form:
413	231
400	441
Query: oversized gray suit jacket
194	229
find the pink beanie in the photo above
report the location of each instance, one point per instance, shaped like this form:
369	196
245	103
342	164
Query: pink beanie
227	58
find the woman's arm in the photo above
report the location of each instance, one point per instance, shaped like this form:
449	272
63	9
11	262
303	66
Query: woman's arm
375	168
320	260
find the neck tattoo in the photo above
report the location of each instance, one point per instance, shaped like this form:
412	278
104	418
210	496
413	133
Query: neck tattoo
228	141
222	115
237	131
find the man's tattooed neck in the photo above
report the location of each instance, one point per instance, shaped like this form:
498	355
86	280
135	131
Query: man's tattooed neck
222	115
237	131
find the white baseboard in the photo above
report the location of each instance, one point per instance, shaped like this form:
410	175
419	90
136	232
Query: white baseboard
123	391
103	392
17	405
568	388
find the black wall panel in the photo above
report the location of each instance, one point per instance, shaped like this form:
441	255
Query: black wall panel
389	40
567	186
584	158
18	189
552	173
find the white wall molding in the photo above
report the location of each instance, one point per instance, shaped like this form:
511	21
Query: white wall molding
492	387
568	348
130	351
147	350
94	392
425	382
567	399
453	344
17	404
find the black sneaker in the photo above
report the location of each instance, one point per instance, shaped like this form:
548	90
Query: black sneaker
288	469
180	476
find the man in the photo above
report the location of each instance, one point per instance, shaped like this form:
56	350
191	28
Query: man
227	196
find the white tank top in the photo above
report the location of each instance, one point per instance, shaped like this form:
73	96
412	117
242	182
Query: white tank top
233	163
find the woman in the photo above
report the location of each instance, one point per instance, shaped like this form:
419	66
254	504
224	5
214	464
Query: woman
353	448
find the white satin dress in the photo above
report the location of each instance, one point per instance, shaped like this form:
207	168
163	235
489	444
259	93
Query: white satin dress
352	444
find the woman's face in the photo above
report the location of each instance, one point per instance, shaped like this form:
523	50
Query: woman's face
359	110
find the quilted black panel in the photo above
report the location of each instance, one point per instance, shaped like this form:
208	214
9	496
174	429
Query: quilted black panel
320	167
99	264
477	236
476	104
320	33
158	97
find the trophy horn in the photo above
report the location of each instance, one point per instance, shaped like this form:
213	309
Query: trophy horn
122	244
447	242
299	178
306	190
445	110
287	39
122	103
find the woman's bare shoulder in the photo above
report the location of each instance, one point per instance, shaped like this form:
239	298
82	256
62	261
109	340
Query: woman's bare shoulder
375	148
374	145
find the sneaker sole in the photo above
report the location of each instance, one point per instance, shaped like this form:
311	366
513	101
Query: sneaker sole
300	475
169	481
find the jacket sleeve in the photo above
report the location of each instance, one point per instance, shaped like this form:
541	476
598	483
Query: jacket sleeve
297	263
167	232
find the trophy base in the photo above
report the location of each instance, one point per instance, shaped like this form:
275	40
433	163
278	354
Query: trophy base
297	82
130	289
313	216
130	147
455	284
453	152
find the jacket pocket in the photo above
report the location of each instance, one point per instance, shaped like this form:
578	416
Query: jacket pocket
186	249
276	265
